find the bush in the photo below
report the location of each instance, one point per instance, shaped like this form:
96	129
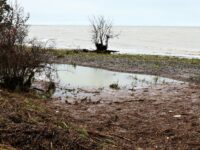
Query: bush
102	32
20	59
115	86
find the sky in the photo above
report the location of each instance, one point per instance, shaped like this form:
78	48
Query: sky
121	12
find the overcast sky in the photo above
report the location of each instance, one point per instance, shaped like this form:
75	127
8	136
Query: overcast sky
122	12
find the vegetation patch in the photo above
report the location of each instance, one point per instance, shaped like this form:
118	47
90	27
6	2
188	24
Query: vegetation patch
30	123
115	86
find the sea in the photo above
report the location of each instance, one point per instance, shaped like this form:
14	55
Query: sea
168	41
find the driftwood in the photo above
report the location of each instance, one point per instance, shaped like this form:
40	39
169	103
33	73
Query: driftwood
99	51
110	136
105	51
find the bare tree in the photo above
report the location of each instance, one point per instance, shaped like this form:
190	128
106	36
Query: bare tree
14	29
102	32
19	59
4	9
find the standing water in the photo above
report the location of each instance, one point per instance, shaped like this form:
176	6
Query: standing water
80	77
79	82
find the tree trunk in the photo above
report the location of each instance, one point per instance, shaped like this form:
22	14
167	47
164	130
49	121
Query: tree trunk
101	47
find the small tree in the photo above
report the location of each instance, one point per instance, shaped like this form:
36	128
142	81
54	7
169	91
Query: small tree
102	32
19	59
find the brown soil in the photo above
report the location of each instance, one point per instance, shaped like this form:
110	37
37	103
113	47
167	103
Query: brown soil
29	123
161	117
164	117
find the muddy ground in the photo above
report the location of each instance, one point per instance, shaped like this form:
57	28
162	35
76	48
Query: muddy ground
162	117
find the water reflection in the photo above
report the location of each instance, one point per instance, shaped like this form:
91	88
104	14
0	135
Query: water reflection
79	76
86	83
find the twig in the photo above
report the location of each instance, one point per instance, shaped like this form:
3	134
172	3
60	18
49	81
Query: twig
111	135
121	137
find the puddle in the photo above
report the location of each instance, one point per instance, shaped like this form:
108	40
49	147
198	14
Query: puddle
85	82
78	76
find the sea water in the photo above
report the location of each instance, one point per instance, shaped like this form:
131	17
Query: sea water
173	41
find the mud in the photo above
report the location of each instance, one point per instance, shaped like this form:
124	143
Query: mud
162	117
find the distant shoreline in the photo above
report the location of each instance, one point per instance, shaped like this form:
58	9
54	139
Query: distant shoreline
142	26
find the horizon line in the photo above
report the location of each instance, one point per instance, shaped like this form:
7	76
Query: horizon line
194	26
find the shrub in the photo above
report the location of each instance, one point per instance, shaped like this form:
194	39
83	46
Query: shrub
102	32
115	86
20	58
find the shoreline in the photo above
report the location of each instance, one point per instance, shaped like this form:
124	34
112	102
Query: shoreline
184	69
117	52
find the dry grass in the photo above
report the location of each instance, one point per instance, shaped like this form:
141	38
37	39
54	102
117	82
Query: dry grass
30	123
